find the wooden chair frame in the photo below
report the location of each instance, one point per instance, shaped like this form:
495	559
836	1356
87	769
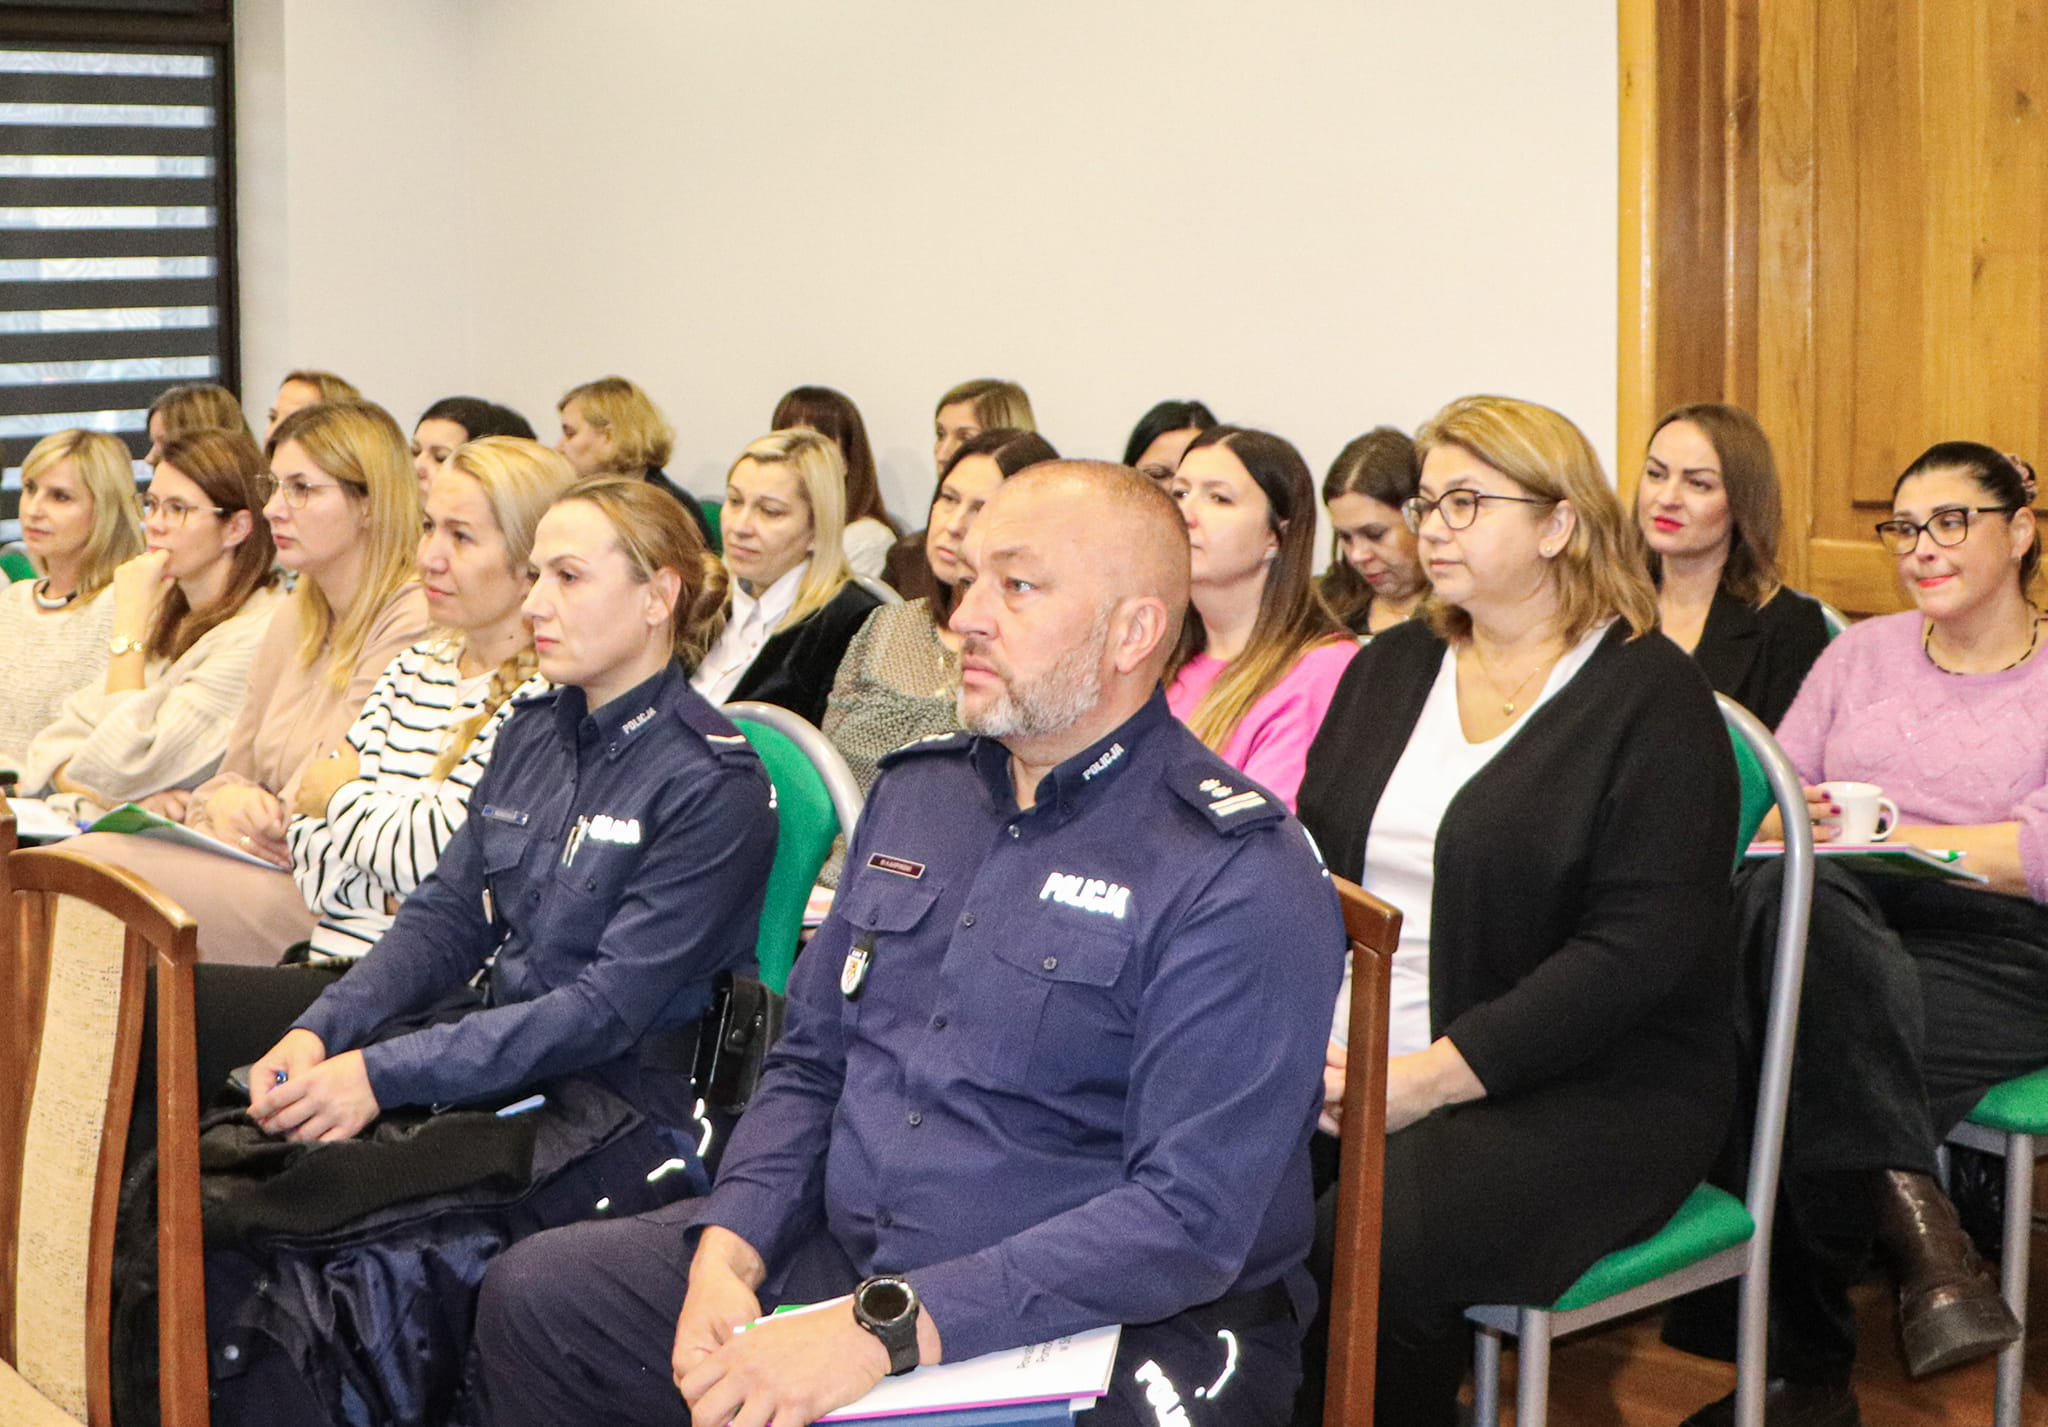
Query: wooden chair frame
162	937
1374	930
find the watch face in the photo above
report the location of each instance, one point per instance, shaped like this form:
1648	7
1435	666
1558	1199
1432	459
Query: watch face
885	1300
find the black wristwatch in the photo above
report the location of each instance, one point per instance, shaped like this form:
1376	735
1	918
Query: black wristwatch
887	1307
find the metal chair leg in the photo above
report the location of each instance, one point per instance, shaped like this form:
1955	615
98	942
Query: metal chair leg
1486	1378
1532	1369
2019	1226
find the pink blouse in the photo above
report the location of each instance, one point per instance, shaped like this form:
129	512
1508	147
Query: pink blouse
1960	749
1270	743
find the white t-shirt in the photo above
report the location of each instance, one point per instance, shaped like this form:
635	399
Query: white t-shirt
867	543
1400	851
752	621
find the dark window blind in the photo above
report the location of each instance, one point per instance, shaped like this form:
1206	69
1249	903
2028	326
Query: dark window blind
115	265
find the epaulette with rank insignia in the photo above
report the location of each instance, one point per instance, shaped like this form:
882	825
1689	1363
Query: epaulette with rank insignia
931	743
1230	806
727	744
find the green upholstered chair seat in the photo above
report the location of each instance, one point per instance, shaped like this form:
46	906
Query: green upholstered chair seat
2018	1107
1709	1221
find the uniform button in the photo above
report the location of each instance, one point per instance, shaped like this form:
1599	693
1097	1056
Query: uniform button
967	919
534	895
613	750
1013	831
916	1119
1051	963
938	1023
883	1219
590	884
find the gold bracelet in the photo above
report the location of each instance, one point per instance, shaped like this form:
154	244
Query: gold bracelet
121	644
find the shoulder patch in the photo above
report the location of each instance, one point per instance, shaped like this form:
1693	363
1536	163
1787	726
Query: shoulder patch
1231	803
957	741
720	735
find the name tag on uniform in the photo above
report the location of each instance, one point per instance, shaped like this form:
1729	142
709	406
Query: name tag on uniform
901	866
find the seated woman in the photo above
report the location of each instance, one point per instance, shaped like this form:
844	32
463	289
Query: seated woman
869	530
968	409
1919	995
195	406
793	605
612	428
1163	435
188	615
1710	513
373	817
616	867
303	388
899	678
1376	578
344	512
453	420
1260	654
1562	1062
79	524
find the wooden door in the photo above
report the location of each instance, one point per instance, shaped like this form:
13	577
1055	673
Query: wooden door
1835	213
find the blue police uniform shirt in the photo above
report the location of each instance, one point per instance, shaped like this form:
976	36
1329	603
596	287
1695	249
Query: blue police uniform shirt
615	861
1078	1080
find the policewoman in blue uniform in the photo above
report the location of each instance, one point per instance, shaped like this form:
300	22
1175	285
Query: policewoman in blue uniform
1049	1065
613	864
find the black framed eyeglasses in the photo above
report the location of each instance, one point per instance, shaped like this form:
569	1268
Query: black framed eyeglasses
1459	508
1945	527
174	512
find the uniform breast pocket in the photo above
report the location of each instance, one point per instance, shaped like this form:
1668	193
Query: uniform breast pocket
882	911
1062	1014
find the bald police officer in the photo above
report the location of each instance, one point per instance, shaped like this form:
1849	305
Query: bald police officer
1052	1062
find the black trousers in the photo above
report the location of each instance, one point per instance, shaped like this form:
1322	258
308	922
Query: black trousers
577	1325
1919	996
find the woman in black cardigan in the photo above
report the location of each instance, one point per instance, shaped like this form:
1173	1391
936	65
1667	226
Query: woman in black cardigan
1549	797
1709	513
793	607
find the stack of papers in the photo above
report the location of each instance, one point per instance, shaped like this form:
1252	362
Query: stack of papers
1901	858
141	822
36	821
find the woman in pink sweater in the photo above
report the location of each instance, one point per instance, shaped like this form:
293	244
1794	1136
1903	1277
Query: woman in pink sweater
1260	655
1920	995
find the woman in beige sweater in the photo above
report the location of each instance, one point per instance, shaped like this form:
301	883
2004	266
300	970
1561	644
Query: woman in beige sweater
344	512
188	614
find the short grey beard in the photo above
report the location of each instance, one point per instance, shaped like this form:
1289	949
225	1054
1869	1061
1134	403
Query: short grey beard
1051	703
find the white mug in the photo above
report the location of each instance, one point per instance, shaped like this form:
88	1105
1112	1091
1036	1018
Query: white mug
1861	805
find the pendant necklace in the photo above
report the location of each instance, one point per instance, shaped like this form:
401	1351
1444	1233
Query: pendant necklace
1507	700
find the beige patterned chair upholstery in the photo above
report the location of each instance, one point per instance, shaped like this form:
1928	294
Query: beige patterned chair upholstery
86	937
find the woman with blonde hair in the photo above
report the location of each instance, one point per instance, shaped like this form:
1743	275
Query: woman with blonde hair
188	615
193	406
79	523
1260	654
793	605
344	512
610	427
372	817
1544	788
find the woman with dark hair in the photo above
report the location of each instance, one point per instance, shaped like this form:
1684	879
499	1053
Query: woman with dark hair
307	386
869	531
1545	790
453	420
1260	654
1162	437
1709	511
1376	578
897	681
967	410
1920	995
188	615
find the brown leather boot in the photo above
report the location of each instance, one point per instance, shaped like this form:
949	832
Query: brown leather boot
1949	1309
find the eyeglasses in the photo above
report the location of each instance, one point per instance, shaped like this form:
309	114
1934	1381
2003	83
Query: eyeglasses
174	512
1459	508
1944	527
296	492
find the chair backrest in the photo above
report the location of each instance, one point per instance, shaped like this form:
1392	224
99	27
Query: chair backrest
1757	797
714	517
90	935
1789	968
880	589
816	799
1374	931
15	563
1835	620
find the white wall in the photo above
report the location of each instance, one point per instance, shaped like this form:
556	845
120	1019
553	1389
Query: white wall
1315	215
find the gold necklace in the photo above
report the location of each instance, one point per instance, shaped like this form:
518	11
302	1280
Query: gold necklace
1507	700
2033	643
